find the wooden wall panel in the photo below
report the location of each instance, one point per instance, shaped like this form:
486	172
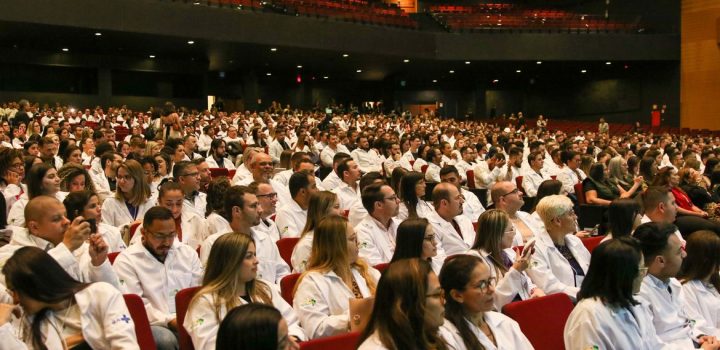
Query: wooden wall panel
700	64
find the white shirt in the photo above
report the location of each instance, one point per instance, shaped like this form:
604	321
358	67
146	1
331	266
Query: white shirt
568	178
462	167
702	302
276	150
327	154
203	323
157	283
450	242
551	272
532	180
592	323
432	173
423	210
472	208
116	213
645	219
301	252
484	177
417	166
367	160
347	196
290	219
16	215
104	320
227	163
376	242
217	224
506	331
322	301
111	235
198	205
241	174
268	226
194	230
668	315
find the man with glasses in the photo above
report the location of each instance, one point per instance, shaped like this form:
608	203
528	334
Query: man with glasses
261	169
453	231
509	199
157	270
267	198
377	231
188	176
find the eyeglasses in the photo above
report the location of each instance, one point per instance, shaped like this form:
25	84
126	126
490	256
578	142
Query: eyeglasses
161	237
191	174
484	285
392	198
269	195
515	191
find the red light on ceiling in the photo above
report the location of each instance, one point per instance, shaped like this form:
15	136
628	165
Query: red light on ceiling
298	79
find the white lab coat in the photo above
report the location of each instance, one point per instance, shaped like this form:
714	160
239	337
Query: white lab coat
702	302
347	196
376	243
202	323
472	208
372	343
198	205
212	163
422	208
537	227
331	181
104	318
551	272
77	264
301	252
506	331
217	224
157	283
102	185
357	213
322	301
532	180
592	323
16	216
112	236
568	178
276	150
271	266
241	174
194	229
116	213
269	226
507	286
290	219
432	173
367	161
672	323
449	240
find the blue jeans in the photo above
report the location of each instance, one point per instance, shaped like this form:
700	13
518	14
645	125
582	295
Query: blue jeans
165	339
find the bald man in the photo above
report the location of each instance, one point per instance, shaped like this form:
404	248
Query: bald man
49	229
509	199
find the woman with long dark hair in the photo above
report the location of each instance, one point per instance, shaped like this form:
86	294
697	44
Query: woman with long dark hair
607	315
87	204
415	239
700	279
42	180
623	217
254	327
412	192
408	309
470	322
60	312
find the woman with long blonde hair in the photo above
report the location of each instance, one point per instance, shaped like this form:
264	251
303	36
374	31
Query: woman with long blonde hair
230	280
322	204
335	274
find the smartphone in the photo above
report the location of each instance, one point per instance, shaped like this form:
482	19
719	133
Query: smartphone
93	225
530	244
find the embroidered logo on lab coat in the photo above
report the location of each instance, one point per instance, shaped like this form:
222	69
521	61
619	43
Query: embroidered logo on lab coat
123	318
310	302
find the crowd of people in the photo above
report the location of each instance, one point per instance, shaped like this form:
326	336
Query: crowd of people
464	217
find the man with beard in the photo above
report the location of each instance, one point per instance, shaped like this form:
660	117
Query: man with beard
366	158
217	157
156	270
454	232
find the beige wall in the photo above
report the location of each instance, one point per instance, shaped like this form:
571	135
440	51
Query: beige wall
700	64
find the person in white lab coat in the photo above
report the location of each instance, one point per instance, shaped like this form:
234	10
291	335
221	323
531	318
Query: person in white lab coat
254	326
231	280
267	199
87	204
700	278
493	244
278	145
42	180
217	157
470	322
187	175
348	191
156	270
571	174
508	198
191	229
357	212
412	194
434	163
261	169
334	274
663	253
608	314
416	239
412	285
367	158
59	311
333	180
535	175
291	216
472	208
454	232
215	211
560	260
82	254
376	233
322	204
245	214
132	196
